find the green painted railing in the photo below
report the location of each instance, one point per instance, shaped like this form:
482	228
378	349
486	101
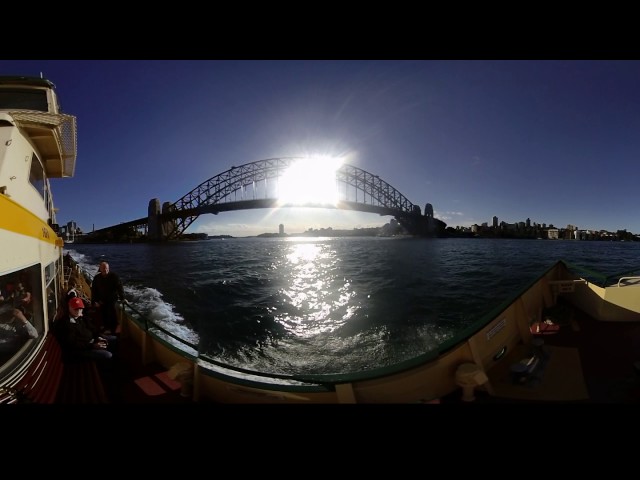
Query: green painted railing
328	380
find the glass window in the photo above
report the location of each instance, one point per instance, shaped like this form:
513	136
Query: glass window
23	99
36	176
21	314
49	272
51	280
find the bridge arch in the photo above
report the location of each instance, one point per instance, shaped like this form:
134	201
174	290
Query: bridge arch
247	186
254	185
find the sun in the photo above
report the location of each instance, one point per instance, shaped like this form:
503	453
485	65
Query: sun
310	181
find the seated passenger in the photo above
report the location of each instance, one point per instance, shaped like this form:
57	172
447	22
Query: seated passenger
7	293
79	337
15	329
23	295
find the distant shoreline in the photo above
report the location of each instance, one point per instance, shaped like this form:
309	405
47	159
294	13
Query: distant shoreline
384	231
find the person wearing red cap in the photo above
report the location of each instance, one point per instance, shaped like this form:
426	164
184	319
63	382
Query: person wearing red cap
79	337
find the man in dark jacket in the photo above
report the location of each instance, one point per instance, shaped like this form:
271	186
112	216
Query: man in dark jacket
79	337
106	290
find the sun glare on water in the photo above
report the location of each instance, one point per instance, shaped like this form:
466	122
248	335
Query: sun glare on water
310	181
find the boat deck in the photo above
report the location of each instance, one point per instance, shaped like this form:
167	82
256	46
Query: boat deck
586	361
129	381
608	351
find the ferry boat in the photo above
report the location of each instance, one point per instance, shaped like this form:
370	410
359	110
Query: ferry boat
37	143
569	336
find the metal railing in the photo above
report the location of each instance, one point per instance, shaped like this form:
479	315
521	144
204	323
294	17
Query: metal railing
629	281
324	380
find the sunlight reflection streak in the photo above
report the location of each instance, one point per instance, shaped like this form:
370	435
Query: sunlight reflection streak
314	288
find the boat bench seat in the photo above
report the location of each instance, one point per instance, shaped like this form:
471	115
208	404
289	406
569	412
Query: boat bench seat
40	384
52	379
81	382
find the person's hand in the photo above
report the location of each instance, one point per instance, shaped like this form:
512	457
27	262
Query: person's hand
100	344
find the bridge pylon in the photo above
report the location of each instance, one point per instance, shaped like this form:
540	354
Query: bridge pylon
422	225
159	230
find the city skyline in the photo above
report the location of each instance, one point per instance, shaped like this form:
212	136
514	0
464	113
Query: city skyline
281	228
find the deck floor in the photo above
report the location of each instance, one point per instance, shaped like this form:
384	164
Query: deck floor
129	381
607	352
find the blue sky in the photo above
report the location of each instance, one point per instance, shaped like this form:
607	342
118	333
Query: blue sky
553	141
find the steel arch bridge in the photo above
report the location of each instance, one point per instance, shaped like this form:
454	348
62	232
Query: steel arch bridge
255	185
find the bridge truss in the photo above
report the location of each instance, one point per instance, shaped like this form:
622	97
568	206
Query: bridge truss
255	185
248	186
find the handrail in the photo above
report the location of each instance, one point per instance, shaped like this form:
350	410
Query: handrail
148	324
631	272
318	379
636	278
331	379
600	279
67	274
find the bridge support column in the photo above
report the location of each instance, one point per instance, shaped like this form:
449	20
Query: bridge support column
154	233
167	227
159	230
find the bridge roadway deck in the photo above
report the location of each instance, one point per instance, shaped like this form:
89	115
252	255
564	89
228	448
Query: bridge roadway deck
251	204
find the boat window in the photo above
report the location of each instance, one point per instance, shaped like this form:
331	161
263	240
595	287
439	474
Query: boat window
21	314
51	280
23	99
49	272
36	175
48	200
52	301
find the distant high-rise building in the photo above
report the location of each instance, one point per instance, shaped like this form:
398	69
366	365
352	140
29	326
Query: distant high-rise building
495	222
281	229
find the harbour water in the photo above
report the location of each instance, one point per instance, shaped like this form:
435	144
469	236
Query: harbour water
332	305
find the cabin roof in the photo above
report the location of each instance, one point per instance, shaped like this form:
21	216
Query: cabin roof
25	80
52	133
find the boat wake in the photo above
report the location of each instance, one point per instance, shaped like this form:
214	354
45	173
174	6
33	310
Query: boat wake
148	301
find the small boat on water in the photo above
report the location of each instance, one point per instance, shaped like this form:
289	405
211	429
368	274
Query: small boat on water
568	336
